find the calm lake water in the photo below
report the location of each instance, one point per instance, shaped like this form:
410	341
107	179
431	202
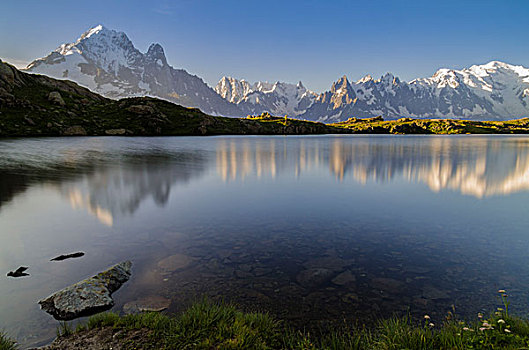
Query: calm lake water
314	229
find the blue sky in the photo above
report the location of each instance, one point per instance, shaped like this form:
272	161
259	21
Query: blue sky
312	41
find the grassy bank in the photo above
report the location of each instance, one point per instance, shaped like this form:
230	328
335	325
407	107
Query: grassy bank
215	326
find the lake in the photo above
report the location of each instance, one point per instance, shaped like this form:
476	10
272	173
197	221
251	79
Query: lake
317	230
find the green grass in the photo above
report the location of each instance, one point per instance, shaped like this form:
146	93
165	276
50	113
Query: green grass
433	126
6	343
203	326
207	325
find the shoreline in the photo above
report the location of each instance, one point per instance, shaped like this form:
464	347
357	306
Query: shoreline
209	325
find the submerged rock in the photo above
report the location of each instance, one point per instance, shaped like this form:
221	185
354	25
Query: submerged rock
333	263
315	277
344	278
433	293
89	296
153	303
389	285
174	262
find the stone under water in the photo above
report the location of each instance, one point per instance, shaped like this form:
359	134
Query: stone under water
87	297
153	303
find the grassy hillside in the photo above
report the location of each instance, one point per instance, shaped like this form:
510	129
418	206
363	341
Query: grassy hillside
35	105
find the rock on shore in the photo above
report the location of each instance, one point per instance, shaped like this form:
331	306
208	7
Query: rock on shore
89	296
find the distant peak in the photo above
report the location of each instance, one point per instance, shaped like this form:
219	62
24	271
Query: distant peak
497	64
389	78
95	30
92	31
341	85
155	50
365	79
343	81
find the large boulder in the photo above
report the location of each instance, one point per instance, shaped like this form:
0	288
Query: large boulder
75	130
55	97
141	109
89	296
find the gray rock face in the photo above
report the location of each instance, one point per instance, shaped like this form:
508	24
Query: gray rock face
89	296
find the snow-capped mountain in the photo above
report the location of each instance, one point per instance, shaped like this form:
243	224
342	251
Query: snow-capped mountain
495	90
276	98
107	62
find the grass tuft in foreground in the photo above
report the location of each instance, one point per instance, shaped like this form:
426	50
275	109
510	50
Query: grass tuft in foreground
208	325
6	343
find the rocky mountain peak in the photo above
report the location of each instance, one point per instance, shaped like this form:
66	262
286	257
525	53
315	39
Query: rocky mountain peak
342	85
365	79
155	53
389	79
92	31
100	35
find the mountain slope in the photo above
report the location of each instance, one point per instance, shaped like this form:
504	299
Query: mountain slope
496	91
37	105
277	98
106	61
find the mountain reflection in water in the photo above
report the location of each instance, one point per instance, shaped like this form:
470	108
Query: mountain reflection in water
114	191
473	166
107	184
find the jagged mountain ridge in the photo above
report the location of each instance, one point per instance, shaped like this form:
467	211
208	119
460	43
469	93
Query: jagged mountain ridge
107	62
277	98
495	90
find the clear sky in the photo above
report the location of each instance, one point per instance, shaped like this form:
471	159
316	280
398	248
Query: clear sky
288	40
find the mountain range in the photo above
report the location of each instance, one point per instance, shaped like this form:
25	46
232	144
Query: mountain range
107	62
278	98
